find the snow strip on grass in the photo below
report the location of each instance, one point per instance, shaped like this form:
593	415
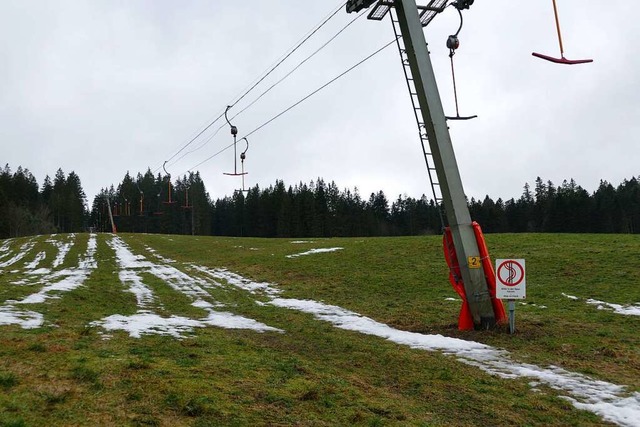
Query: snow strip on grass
37	260
127	261
63	250
610	401
39	271
605	399
314	251
5	248
160	257
238	281
67	279
145	322
22	252
627	310
9	315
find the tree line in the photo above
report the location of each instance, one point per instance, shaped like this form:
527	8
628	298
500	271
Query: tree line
321	209
26	209
158	204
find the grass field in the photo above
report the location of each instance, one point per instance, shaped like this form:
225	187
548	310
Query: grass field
204	331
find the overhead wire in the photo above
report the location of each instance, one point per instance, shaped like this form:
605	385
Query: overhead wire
194	138
300	64
324	45
298	102
266	74
291	52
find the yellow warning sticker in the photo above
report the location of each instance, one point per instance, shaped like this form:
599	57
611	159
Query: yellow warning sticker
474	262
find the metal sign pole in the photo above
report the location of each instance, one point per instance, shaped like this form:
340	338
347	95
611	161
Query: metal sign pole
512	316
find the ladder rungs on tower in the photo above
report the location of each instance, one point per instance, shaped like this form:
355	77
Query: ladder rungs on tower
424	141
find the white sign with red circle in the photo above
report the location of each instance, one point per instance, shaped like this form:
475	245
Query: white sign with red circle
510	279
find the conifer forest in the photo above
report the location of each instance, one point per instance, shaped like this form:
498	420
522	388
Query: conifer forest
148	203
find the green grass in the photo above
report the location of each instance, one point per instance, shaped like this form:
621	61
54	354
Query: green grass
66	373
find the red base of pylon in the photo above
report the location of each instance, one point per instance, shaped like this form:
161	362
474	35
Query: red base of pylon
465	320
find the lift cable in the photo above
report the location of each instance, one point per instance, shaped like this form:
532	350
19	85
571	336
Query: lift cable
321	87
247	91
303	41
297	103
271	87
300	64
194	138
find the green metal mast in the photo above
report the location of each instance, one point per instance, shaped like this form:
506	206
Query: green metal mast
449	181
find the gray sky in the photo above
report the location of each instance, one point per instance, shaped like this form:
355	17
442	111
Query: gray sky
106	87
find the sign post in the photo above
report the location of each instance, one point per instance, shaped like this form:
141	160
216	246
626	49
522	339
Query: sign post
511	285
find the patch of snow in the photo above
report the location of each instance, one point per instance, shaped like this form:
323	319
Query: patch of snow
39	271
451	299
314	251
5	246
37	260
5	249
69	278
63	249
160	257
570	296
238	281
533	304
9	315
202	304
144	295
628	310
610	401
297	242
147	322
22	252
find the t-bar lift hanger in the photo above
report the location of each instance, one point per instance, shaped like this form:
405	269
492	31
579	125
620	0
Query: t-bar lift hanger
234	132
169	201
453	43
562	59
243	156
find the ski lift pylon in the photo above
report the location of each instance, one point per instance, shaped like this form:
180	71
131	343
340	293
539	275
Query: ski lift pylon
562	59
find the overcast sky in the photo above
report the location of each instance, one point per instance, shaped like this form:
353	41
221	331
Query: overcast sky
106	87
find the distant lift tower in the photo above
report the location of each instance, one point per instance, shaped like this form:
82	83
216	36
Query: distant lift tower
411	18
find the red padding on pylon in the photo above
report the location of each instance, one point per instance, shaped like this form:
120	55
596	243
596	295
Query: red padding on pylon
490	275
465	320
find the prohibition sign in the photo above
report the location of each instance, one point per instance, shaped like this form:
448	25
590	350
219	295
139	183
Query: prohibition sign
510	273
